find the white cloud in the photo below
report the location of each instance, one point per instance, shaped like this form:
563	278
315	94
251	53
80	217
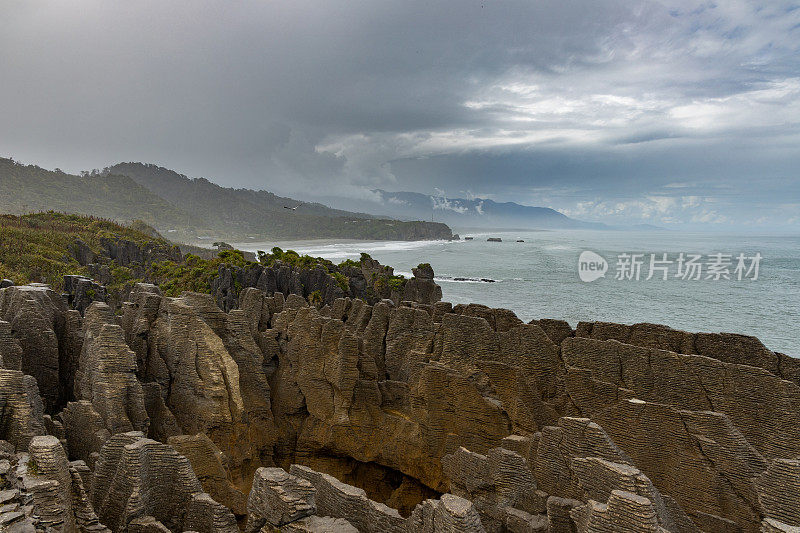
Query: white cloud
440	201
653	209
672	73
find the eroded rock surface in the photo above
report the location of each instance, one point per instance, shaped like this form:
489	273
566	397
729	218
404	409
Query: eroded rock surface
383	415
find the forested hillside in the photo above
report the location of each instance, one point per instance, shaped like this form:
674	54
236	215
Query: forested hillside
191	210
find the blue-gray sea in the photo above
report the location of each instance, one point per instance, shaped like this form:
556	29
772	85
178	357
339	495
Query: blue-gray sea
539	278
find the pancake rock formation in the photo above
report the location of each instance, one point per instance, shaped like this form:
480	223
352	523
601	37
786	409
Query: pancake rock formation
270	410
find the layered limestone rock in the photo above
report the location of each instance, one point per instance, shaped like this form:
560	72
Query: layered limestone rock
501	486
764	407
367	280
421	288
210	372
38	321
779	493
58	494
208	464
624	511
81	292
137	477
699	458
335	376
389	415
339	500
727	347
106	374
278	498
20	419
450	514
139	314
110	398
577	460
305	500
10	349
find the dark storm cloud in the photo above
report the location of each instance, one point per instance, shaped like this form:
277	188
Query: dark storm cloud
647	111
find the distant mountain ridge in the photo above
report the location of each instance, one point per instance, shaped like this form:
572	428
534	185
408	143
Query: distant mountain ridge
191	209
462	212
179	188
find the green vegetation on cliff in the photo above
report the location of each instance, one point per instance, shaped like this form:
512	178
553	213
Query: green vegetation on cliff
45	247
42	247
193	273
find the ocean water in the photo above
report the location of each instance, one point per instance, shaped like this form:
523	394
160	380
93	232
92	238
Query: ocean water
539	278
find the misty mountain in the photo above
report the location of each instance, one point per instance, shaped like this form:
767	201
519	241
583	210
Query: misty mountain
214	200
29	188
461	212
192	209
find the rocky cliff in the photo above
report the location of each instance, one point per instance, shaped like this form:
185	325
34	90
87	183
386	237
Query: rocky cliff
270	412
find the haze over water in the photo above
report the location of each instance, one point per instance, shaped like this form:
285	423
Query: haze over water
539	278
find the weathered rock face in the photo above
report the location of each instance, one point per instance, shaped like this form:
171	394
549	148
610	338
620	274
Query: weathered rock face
110	398
765	408
81	292
20	419
10	349
277	499
501	486
305	500
727	347
698	457
337	379
136	477
779	494
131	254
106	374
623	511
208	463
41	491
421	288
368	281
211	374
39	323
389	415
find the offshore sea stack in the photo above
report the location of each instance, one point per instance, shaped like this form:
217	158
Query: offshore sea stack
284	413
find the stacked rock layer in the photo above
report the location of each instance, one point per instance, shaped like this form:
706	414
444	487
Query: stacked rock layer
174	415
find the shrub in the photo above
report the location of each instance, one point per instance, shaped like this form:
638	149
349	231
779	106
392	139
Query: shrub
33	468
38	247
342	281
397	283
315	298
349	263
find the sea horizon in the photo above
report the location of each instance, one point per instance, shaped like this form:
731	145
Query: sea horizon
539	278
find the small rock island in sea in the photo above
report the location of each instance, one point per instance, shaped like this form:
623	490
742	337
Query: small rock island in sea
296	395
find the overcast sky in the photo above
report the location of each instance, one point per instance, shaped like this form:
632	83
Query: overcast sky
668	112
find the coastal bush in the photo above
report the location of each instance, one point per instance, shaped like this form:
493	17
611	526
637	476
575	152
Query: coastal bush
120	275
349	263
396	283
293	258
194	274
342	281
37	247
315	298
